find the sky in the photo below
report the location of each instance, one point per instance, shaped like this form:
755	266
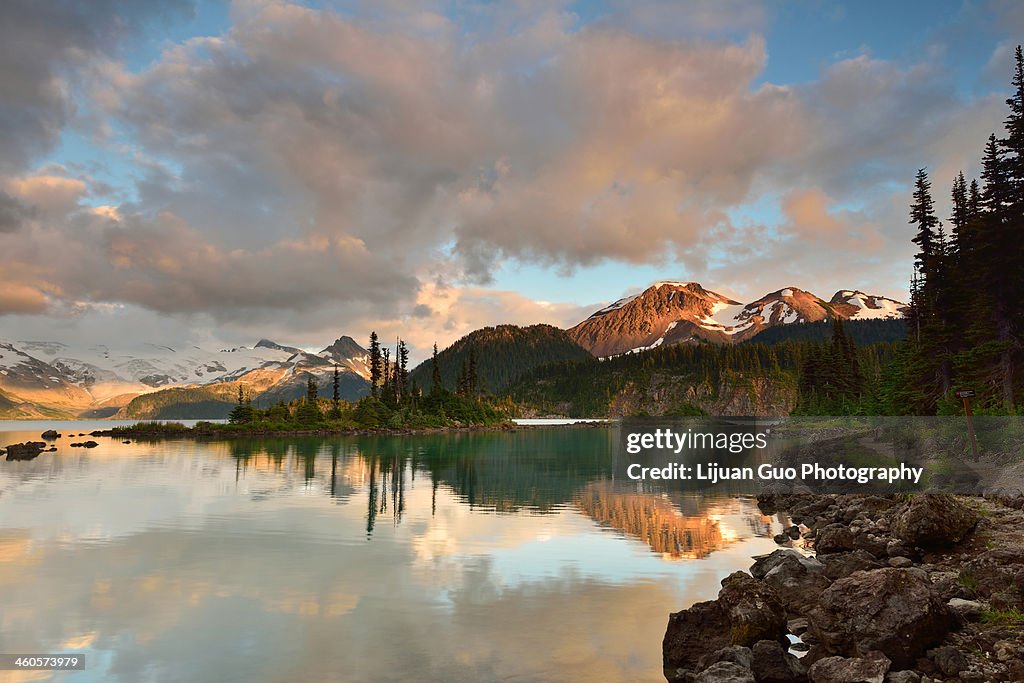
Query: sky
213	173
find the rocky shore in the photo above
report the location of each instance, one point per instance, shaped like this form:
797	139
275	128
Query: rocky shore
882	589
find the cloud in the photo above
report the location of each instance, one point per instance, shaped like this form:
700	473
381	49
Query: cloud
45	45
13	213
313	169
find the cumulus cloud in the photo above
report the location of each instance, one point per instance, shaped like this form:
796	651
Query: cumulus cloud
313	167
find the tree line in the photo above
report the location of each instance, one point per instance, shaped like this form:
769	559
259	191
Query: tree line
966	317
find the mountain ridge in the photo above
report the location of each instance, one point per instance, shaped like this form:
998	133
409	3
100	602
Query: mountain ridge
670	312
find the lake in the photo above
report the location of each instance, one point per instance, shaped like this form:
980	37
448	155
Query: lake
508	556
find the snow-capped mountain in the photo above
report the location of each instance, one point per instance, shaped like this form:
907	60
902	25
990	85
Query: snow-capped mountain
672	312
99	379
860	306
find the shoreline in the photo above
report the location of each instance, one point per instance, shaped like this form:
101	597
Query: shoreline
927	588
214	434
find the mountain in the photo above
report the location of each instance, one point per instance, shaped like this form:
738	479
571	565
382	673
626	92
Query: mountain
502	354
674	312
857	305
43	378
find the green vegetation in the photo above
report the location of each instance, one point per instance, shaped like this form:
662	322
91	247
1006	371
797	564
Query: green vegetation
682	378
1012	617
499	356
966	321
182	403
861	332
394	403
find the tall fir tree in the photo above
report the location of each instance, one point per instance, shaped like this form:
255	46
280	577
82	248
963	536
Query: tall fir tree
435	372
375	365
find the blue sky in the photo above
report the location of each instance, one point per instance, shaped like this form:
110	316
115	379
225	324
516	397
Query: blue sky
265	167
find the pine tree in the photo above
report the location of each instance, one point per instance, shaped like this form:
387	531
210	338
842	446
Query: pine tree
387	389
403	369
375	364
922	214
999	255
961	212
336	394
435	372
1014	141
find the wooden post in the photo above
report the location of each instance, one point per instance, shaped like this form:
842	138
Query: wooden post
966	395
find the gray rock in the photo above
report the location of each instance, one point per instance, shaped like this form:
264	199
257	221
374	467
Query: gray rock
900	562
839	565
772	664
692	634
934	521
852	670
905	676
834	538
747	610
752	608
949	660
966	610
797	626
737	654
894	611
725	672
797	580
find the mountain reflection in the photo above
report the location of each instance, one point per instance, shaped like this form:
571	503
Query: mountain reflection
483	472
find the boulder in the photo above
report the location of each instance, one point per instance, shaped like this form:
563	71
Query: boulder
905	676
834	538
894	611
839	565
966	610
737	654
725	672
949	660
25	451
746	611
772	664
848	670
50	435
934	521
692	634
797	580
753	609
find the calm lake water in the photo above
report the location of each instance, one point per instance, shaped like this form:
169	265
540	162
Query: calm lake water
485	557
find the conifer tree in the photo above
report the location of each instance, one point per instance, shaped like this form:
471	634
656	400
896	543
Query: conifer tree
403	369
375	364
435	372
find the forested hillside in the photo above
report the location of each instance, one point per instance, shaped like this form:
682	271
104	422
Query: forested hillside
498	356
863	332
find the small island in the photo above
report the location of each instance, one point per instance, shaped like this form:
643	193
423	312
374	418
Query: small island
394	406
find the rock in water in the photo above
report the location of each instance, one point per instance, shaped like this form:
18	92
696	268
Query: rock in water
894	611
746	611
934	521
843	670
753	609
25	451
692	634
50	435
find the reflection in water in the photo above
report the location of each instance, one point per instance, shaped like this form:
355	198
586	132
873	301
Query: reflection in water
448	557
656	521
